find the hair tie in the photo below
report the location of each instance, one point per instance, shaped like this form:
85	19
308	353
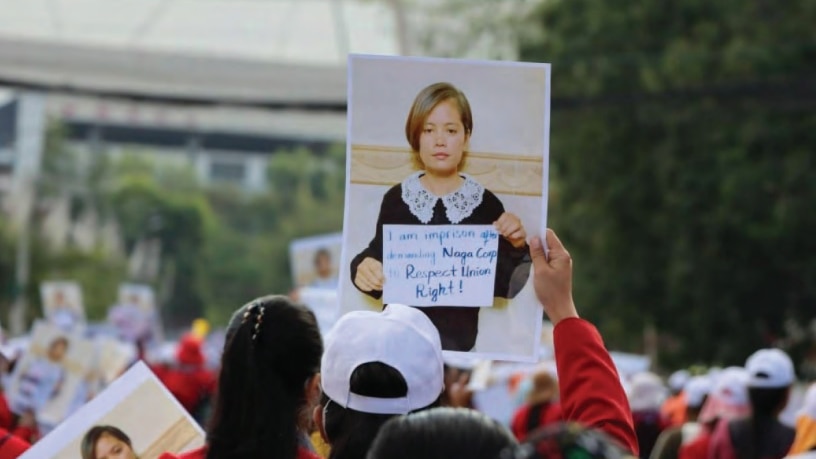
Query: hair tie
255	310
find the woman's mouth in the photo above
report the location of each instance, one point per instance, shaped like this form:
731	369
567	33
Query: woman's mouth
441	156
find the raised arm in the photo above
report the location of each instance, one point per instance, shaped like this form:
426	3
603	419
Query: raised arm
591	392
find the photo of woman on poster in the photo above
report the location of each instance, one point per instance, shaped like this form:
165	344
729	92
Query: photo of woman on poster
438	129
107	442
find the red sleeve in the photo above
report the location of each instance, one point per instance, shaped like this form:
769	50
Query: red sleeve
199	453
591	392
11	446
519	422
721	446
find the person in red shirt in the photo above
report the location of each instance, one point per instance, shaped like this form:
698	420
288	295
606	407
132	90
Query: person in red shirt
591	392
268	380
11	446
188	379
541	407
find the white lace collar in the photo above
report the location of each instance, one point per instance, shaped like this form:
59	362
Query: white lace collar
459	204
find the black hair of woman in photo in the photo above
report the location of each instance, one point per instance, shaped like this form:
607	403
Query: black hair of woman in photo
438	129
268	383
107	442
442	433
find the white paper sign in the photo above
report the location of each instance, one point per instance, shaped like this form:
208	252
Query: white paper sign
440	265
138	406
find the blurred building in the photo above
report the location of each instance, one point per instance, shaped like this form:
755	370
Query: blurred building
220	84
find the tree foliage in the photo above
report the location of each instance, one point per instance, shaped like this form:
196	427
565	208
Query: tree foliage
682	156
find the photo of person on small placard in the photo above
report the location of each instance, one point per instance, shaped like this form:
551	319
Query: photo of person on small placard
41	377
62	304
446	158
438	130
314	261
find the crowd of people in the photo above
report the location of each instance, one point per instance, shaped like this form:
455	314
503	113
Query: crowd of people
375	387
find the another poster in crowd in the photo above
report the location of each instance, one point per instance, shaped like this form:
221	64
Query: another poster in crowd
116	422
315	261
135	315
323	302
447	164
54	377
62	304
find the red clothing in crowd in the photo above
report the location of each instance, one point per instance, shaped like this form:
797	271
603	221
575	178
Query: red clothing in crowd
532	416
201	453
11	446
189	381
7	423
696	449
590	388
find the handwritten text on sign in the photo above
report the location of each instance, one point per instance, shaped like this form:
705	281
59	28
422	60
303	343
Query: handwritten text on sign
440	265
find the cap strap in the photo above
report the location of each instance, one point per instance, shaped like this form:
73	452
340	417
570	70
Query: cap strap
377	405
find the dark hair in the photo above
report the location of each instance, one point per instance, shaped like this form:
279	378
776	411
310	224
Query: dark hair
351	432
95	433
766	404
273	347
441	433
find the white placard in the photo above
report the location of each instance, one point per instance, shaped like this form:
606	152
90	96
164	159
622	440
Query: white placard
136	404
440	265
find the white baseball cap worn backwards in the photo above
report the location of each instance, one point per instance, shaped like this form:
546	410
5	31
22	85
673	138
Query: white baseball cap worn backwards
401	337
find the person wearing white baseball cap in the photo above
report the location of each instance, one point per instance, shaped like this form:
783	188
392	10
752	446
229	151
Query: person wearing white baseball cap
760	435
377	365
671	440
727	400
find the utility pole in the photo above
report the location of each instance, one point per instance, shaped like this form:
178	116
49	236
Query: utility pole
28	158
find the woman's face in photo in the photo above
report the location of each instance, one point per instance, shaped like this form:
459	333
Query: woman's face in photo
110	447
443	140
57	350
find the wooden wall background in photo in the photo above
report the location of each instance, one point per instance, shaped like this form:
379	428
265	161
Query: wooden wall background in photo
499	173
180	437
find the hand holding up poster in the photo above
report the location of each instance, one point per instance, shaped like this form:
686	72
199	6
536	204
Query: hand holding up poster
109	423
435	145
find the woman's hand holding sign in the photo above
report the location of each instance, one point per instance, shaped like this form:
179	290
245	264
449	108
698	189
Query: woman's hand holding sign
510	227
369	276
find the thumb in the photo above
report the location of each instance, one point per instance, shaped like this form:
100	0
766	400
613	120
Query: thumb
537	254
557	250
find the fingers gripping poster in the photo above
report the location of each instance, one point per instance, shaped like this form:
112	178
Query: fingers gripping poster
447	164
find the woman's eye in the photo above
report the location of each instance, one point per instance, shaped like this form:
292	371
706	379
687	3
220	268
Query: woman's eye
452	131
427	130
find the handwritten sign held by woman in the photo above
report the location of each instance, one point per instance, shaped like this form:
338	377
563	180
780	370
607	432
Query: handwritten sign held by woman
452	265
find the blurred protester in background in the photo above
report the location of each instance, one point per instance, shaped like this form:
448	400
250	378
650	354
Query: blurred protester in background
646	396
673	438
804	443
674	408
541	406
759	435
188	378
727	400
267	386
11	446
